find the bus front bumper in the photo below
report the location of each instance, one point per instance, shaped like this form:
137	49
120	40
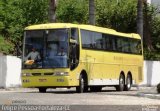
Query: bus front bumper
48	81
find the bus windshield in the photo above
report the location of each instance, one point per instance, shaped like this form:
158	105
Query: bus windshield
45	49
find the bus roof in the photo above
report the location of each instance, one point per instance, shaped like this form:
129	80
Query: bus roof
82	26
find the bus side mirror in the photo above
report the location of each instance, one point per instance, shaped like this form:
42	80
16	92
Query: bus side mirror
72	41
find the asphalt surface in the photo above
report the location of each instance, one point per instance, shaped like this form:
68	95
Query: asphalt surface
139	99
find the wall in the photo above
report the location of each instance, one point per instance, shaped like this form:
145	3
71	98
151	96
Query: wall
151	73
149	1
3	69
155	2
13	77
10	72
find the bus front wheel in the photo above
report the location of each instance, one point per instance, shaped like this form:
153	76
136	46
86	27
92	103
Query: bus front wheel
82	85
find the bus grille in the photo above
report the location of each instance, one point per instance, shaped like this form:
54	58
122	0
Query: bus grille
48	74
36	74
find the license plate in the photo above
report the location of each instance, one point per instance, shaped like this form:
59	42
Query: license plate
42	80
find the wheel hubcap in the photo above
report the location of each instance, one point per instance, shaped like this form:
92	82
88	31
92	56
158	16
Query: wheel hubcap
121	81
128	83
82	84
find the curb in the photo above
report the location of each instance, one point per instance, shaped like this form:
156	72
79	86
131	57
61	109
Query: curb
150	95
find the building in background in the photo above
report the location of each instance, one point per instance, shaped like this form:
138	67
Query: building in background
156	3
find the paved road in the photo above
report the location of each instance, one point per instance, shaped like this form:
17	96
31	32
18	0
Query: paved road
133	100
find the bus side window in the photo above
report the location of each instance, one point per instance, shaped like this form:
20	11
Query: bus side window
113	43
86	39
138	47
125	45
107	44
98	40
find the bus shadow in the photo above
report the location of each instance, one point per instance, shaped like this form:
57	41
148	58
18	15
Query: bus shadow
73	91
107	92
62	92
69	92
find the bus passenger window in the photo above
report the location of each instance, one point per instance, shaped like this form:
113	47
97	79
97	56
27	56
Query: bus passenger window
107	42
98	40
113	43
86	40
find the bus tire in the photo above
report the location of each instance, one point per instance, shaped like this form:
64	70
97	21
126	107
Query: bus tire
95	88
42	90
80	88
121	85
128	83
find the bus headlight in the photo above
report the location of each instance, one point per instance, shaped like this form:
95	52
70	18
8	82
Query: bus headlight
26	74
61	73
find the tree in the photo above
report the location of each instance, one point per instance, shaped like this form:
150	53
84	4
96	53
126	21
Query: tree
52	10
144	18
140	18
5	46
148	18
154	30
119	16
15	15
91	12
72	11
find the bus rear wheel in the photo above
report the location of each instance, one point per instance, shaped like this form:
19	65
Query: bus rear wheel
82	85
121	85
42	90
128	83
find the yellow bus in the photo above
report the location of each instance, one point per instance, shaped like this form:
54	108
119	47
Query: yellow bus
87	57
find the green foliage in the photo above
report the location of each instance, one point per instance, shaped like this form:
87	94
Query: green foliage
34	11
72	11
108	13
5	47
156	33
120	16
154	24
17	14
